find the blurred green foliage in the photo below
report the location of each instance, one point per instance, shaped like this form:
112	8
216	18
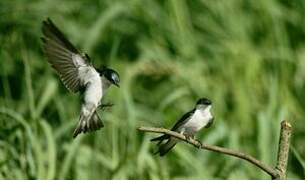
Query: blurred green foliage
247	56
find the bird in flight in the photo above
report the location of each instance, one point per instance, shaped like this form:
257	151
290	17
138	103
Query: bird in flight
78	75
190	123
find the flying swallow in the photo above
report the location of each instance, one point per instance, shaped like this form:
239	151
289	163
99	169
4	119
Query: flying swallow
78	75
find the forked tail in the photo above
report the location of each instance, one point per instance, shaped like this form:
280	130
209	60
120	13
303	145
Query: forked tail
88	125
166	147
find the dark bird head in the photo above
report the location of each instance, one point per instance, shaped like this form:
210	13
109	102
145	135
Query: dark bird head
111	75
203	102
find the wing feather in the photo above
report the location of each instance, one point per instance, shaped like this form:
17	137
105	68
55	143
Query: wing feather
62	55
179	123
183	120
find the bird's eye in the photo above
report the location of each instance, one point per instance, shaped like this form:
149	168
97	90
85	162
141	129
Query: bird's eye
115	78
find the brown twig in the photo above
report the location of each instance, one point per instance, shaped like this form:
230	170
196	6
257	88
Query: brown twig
283	152
271	171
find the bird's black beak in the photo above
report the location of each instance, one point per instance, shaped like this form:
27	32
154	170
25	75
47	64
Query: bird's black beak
117	85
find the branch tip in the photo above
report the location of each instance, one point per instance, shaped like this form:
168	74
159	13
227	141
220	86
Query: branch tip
271	171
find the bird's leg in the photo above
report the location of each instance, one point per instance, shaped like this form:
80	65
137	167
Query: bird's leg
199	144
187	136
192	136
106	105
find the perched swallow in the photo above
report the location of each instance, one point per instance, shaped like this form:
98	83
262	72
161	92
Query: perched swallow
190	123
78	75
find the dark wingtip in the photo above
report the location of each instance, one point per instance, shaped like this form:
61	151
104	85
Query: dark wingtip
43	39
46	21
159	138
45	26
155	139
50	22
50	30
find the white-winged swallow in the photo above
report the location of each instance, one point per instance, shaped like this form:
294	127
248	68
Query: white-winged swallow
190	123
78	75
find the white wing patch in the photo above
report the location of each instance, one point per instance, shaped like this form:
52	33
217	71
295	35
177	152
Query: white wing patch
78	60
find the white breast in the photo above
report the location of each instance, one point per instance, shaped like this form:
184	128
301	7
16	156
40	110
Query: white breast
200	119
91	78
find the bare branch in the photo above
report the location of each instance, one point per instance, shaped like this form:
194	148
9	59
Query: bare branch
283	152
271	171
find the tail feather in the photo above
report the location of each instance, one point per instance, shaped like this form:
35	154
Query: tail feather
166	147
88	125
97	122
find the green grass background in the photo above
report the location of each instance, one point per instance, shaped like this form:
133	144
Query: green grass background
248	57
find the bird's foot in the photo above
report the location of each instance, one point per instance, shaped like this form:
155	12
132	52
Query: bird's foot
106	105
188	136
200	144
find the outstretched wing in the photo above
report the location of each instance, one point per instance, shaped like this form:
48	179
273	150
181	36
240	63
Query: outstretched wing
63	56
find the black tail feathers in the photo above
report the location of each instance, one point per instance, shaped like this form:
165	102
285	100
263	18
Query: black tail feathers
85	125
